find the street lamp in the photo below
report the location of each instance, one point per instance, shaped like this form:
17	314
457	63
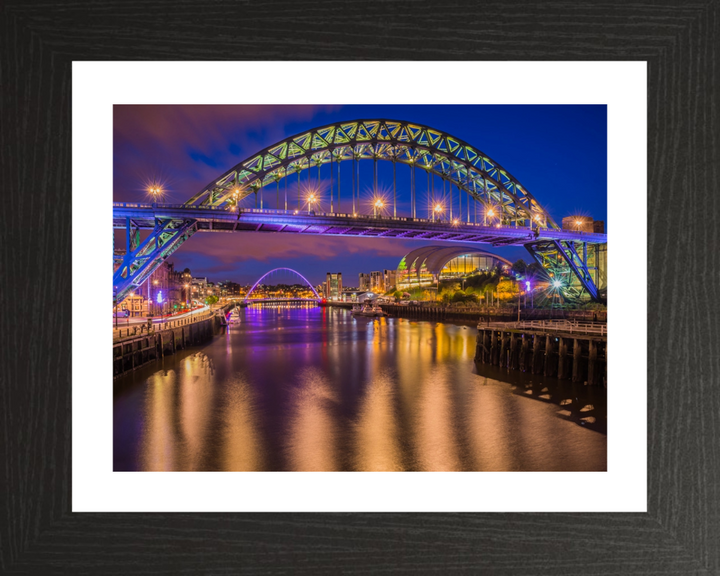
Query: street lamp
578	222
489	212
377	206
438	210
156	190
311	200
557	285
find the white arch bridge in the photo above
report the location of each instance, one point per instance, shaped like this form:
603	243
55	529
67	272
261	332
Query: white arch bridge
248	300
452	192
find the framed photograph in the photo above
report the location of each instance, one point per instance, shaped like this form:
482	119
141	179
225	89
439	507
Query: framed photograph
391	304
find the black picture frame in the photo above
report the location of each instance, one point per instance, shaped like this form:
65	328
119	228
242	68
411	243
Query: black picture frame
680	533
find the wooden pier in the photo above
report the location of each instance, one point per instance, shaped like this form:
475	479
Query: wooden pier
563	349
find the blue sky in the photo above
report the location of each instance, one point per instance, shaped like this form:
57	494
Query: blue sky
558	153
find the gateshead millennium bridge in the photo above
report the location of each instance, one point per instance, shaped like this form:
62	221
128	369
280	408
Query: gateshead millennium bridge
464	196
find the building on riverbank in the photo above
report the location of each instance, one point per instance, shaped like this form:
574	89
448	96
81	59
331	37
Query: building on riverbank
425	266
333	286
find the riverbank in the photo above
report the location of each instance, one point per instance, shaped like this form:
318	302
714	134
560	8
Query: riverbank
476	314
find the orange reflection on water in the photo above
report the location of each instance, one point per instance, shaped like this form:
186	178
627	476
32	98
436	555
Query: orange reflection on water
157	452
196	403
313	429
435	435
489	423
242	447
377	448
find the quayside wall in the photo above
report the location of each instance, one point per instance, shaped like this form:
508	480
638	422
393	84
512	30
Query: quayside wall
138	349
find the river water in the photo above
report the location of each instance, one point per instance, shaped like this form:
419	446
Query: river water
310	388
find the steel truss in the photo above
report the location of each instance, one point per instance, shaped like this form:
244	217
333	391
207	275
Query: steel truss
415	145
142	258
562	261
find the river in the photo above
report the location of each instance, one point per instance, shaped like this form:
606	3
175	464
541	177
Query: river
293	388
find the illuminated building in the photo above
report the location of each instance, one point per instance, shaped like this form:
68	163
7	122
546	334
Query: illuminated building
390	277
424	266
377	282
364	282
333	286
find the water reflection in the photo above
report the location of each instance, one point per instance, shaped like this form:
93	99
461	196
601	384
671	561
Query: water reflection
377	446
197	388
313	430
316	389
436	444
158	444
242	445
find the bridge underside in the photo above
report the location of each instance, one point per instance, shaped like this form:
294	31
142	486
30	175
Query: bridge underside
139	262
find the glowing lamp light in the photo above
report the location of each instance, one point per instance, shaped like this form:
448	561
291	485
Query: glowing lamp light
557	283
527	285
159	297
378	203
491	213
455	221
438	208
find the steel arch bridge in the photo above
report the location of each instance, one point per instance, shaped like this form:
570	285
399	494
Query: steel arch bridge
516	217
247	296
432	151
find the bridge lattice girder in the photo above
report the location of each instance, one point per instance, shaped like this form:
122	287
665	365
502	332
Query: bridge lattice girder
142	259
431	150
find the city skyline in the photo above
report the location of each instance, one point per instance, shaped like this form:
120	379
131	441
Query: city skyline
552	150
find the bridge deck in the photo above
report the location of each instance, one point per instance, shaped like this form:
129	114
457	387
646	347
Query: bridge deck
294	222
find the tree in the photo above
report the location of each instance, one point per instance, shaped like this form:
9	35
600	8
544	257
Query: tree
210	300
506	289
519	268
398	296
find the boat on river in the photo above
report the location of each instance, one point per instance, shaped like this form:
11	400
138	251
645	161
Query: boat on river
372	310
234	316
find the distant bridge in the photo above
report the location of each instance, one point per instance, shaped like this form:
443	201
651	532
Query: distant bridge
469	198
248	300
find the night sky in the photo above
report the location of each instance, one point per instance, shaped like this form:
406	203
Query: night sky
558	153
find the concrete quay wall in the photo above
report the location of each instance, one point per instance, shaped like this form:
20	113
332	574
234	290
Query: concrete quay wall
134	352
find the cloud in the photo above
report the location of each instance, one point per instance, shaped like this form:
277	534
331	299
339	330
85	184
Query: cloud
245	246
185	147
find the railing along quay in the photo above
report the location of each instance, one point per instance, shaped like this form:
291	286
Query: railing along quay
565	326
130	332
